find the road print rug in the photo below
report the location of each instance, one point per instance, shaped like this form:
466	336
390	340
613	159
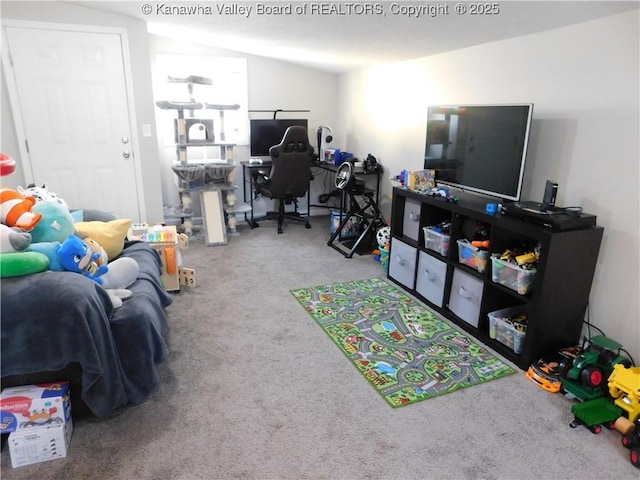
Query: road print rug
405	351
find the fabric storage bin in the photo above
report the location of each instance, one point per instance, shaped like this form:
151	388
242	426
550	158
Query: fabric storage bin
411	219
472	256
501	327
430	278
512	276
402	263
436	241
466	296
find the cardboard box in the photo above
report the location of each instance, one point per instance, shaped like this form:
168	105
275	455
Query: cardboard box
422	181
39	444
32	406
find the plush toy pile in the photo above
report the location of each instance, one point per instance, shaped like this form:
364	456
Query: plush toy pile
39	233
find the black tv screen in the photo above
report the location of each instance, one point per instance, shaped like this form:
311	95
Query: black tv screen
265	133
480	148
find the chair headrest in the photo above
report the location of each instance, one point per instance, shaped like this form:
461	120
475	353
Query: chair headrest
295	139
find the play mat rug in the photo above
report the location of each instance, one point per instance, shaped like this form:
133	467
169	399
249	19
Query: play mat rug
402	348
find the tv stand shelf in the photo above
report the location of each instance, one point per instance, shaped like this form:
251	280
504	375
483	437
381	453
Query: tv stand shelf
556	302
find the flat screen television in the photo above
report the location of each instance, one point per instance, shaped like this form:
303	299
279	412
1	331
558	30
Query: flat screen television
265	133
480	148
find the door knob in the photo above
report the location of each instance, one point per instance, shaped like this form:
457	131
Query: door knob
124	140
126	154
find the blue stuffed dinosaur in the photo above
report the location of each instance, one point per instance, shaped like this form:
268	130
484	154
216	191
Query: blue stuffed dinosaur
76	256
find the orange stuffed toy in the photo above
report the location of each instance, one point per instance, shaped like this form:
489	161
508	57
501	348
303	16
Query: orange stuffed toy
15	210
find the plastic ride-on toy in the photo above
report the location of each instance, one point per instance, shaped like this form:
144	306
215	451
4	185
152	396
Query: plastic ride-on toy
586	375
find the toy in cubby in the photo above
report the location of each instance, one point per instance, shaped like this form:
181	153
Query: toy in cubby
383	237
166	240
515	269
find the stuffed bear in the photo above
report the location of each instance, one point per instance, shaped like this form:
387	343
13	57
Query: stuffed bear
16	210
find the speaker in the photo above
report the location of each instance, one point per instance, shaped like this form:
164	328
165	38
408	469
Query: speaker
550	192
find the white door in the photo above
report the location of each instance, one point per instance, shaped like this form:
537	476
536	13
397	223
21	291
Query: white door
72	99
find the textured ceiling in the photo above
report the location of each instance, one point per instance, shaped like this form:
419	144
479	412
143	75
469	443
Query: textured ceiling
341	36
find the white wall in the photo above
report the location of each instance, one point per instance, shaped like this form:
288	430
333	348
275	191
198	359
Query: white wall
583	80
64	13
272	85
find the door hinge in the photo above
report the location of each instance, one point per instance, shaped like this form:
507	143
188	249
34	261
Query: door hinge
26	145
10	58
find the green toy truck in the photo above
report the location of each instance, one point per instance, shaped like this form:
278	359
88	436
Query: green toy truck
585	376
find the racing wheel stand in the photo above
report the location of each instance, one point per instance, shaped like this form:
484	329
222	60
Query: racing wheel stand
366	211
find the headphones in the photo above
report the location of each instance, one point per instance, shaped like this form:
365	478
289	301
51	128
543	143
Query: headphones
328	139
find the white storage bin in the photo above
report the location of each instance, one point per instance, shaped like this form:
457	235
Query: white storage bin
402	263
411	220
465	297
430	278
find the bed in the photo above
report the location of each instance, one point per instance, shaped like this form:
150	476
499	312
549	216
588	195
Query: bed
59	325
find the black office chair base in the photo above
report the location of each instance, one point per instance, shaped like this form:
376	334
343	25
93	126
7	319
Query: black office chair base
281	215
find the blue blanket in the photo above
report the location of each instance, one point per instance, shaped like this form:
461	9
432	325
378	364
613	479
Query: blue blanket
53	319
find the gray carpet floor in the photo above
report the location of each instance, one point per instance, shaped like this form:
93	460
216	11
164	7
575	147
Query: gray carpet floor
254	389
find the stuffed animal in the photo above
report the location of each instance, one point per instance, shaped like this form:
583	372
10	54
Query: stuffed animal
55	225
102	259
16	210
13	239
42	194
76	256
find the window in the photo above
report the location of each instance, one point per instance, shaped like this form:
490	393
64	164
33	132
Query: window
228	86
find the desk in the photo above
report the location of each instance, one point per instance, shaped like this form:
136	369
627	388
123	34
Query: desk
249	167
330	167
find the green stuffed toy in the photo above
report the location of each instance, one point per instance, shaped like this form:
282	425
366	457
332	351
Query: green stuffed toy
18	264
14	261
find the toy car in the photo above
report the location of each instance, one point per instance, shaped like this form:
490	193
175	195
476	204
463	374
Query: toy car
632	442
547	372
586	377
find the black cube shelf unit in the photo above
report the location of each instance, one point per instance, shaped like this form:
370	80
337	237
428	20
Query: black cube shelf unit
556	302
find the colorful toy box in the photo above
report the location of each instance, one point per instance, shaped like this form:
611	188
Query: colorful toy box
422	181
39	444
30	406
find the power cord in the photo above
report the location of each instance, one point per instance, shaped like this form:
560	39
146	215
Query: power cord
590	325
574	211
